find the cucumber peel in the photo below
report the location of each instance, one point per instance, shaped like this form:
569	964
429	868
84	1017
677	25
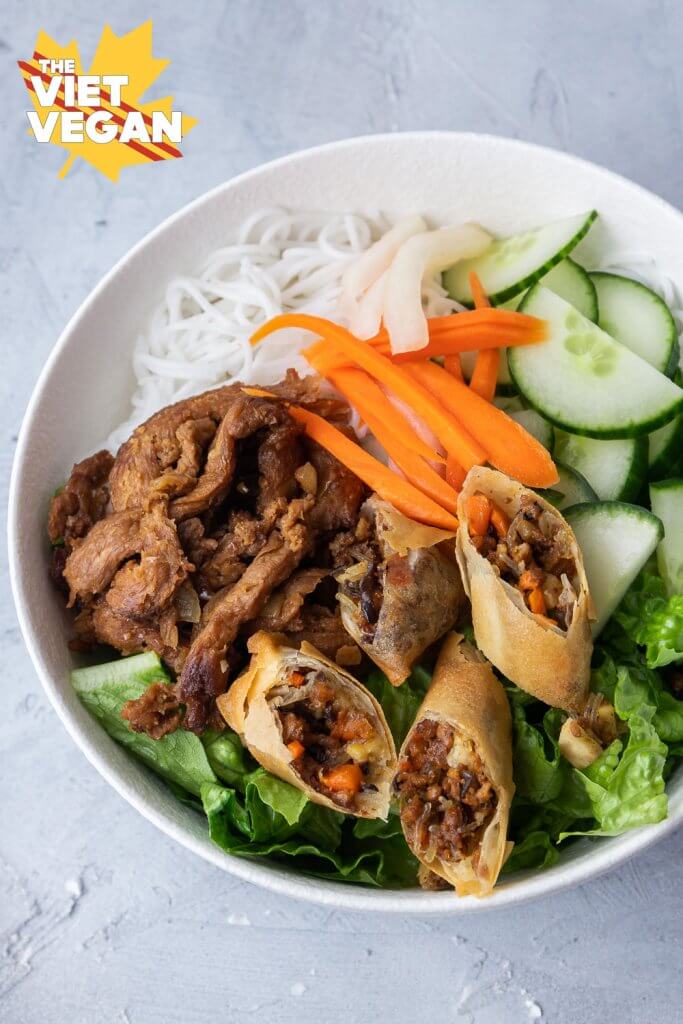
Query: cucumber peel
584	381
511	265
615	470
635	316
666	498
616	541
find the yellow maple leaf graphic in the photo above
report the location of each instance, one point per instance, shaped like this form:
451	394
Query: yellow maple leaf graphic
129	55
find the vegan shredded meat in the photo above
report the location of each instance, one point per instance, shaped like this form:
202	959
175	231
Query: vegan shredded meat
215	517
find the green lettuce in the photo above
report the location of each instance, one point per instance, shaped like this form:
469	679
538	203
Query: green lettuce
272	818
653	620
626	791
178	757
250	812
632	686
400	704
623	789
535	851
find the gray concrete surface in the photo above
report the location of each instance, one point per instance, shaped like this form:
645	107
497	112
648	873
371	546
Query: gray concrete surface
102	919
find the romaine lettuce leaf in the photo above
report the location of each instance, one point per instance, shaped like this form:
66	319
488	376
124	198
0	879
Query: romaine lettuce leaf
251	812
228	758
622	789
269	821
539	769
103	689
631	686
628	793
654	620
535	850
400	703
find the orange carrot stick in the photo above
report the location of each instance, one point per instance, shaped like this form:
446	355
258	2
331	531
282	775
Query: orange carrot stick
481	299
510	447
372	404
474	324
485	373
450	432
413	466
499	521
452	365
474	321
451	344
399	493
423	476
455	474
446	343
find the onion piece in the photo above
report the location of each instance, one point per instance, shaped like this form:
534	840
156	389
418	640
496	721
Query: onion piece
364	271
423	254
187	604
366	317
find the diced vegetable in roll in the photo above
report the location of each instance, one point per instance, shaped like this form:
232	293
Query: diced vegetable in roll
523	571
312	724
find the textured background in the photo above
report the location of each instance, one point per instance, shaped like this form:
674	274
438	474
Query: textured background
102	919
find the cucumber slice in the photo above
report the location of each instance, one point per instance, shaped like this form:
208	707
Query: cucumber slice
616	470
573	284
511	265
666	498
509	403
665	452
570	489
616	541
585	382
568	280
638	318
535	425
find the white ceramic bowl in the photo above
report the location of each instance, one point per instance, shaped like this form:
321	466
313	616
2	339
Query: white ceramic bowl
84	389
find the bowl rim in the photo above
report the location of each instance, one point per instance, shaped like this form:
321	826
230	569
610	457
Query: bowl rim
319	891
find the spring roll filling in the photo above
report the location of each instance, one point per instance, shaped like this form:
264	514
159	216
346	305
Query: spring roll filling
446	797
360	571
333	745
532	552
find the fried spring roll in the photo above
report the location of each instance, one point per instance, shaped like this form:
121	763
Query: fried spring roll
399	588
313	725
454	778
523	572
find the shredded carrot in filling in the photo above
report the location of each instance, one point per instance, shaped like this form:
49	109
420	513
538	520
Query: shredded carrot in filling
479	514
347	778
532	552
499	521
327	739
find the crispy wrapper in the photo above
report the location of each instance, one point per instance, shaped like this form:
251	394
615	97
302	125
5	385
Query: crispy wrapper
250	709
466	695
546	661
423	594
